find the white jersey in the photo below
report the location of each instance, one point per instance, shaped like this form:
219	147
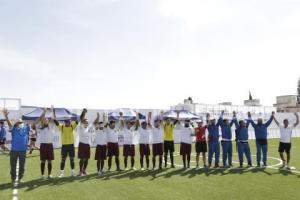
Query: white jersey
112	135
186	135
285	134
128	135
157	135
100	137
85	134
45	134
144	136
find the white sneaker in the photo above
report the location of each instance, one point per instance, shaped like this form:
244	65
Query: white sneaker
133	168
197	167
50	176
126	169
61	175
142	169
100	173
43	177
288	167
73	173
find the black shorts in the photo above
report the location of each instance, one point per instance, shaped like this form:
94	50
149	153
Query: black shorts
2	141
284	147
68	150
168	146
33	139
201	147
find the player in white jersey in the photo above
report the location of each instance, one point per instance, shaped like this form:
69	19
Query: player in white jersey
285	139
128	131
45	130
112	143
84	150
101	142
186	133
157	140
144	140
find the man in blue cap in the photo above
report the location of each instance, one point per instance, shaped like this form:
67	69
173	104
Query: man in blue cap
261	134
20	135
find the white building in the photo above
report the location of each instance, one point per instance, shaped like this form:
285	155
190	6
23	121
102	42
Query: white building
287	103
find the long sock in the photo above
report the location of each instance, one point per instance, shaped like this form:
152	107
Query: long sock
142	162
109	162
172	159
188	160
147	162
153	162
49	168
125	162
166	159
81	165
160	162
85	164
102	165
132	162
98	165
117	162
184	161
43	168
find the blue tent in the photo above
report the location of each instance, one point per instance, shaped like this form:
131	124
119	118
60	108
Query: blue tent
183	115
128	114
60	114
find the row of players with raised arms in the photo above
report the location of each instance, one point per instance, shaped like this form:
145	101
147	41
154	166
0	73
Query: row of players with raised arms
162	135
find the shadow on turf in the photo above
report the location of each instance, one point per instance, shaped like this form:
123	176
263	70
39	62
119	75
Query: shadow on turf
164	173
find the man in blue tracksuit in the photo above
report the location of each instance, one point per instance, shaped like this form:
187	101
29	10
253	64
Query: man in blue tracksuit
213	141
261	134
226	139
242	141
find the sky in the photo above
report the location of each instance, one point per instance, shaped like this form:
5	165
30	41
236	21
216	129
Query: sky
148	53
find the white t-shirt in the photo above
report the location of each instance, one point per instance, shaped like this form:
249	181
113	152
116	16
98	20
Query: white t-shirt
100	137
46	134
85	134
285	134
112	135
128	135
157	135
144	136
186	135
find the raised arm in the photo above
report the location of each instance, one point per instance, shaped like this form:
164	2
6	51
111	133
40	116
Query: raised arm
5	113
275	120
137	121
177	118
83	115
208	119
150	119
232	120
96	121
220	120
297	120
268	123
41	118
250	121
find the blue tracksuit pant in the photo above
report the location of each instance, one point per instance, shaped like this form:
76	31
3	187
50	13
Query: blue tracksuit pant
261	149
213	148
244	148
227	152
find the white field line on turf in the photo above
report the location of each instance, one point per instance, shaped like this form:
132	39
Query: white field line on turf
15	189
276	166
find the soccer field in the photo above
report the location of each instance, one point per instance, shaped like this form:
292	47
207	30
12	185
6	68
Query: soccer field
233	183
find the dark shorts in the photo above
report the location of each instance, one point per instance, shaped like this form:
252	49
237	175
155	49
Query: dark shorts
84	151
185	149
168	146
33	139
2	141
157	149
144	150
284	147
128	150
67	150
46	152
201	147
112	149
100	152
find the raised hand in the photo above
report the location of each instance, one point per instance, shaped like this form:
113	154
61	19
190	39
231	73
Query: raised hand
249	114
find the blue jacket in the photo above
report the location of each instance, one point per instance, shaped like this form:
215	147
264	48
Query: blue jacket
213	132
2	133
241	132
19	138
261	131
226	129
